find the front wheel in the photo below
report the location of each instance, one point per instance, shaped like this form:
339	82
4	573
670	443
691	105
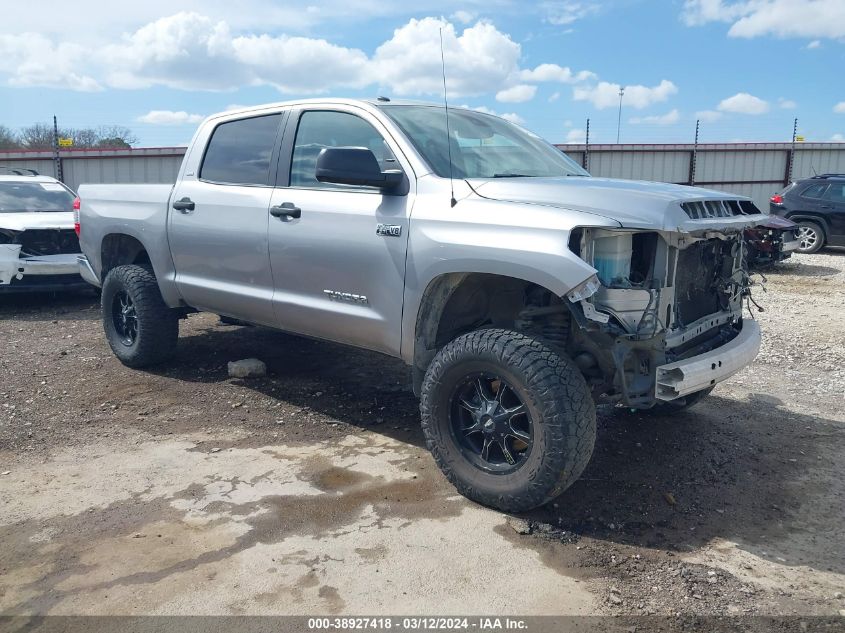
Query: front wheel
140	328
509	421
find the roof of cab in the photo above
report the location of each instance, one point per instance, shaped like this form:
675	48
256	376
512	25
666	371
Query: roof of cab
325	101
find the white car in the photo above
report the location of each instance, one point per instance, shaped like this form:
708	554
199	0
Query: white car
38	242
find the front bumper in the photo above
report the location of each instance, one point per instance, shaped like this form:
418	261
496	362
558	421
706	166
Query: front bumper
43	272
687	376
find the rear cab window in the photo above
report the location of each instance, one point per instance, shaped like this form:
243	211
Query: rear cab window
239	152
17	197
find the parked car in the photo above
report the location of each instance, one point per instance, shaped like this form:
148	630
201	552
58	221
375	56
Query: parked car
771	241
519	290
817	205
38	244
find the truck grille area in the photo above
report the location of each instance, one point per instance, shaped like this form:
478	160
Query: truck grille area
36	242
707	209
697	287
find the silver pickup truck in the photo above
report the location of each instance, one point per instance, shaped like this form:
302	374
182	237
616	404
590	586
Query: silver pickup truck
520	290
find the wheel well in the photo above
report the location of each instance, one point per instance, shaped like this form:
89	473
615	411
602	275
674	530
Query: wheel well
119	249
822	222
457	303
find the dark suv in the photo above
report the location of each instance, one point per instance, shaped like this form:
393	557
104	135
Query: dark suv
817	205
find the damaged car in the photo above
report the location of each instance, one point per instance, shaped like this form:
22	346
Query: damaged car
38	244
520	290
771	241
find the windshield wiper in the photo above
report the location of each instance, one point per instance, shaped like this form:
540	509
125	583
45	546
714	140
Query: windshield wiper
512	176
577	175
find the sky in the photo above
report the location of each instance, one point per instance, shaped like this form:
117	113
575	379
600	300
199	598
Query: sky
744	68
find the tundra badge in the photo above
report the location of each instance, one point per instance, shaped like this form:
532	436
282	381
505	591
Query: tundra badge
346	297
389	230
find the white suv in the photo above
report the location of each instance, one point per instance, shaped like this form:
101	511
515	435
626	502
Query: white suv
38	243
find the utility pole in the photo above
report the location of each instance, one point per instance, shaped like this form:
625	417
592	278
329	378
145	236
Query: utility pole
56	158
790	157
619	120
694	155
586	162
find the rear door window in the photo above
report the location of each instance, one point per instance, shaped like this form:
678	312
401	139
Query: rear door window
836	193
814	191
239	151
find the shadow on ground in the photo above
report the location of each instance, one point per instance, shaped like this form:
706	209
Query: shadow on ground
739	470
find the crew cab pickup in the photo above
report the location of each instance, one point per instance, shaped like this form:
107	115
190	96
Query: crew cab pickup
520	290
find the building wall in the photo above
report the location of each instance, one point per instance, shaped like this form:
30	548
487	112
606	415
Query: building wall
757	170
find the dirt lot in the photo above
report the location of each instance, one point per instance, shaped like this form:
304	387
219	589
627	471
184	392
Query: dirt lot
309	491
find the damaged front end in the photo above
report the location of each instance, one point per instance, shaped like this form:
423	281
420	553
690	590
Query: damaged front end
42	258
662	318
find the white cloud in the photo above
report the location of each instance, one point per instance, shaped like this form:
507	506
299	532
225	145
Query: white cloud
30	59
169	117
743	103
670	118
708	116
566	12
838	138
786	104
464	17
516	94
839	108
554	97
553	72
481	58
576	136
781	18
606	95
814	44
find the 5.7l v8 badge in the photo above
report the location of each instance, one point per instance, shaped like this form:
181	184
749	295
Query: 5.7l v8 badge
389	230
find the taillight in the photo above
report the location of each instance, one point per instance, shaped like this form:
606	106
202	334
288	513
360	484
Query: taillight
777	199
76	204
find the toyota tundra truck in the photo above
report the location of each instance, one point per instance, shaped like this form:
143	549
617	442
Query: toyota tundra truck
520	290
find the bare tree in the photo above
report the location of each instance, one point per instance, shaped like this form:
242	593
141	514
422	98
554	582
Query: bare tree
8	138
115	136
38	136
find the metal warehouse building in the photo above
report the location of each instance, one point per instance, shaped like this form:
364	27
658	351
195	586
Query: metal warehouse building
757	170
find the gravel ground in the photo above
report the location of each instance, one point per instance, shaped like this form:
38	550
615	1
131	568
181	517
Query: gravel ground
735	507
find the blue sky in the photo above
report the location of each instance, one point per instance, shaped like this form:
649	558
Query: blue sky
746	68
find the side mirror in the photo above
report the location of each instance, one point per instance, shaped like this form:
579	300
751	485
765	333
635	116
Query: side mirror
355	166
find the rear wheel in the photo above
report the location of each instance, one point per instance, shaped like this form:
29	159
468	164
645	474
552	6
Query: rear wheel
810	237
140	328
509	421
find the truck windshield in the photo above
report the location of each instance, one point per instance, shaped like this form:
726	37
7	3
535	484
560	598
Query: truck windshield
482	146
17	197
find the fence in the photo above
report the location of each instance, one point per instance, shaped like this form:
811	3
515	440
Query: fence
756	170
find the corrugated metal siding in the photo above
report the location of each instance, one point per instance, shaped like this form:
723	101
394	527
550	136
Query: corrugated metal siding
757	170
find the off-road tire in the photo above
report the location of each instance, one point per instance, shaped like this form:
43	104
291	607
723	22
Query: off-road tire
157	325
820	236
552	388
669	407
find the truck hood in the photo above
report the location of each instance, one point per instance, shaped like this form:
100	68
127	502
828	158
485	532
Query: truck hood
633	204
36	220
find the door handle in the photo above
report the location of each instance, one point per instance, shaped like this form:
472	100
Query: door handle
185	205
286	210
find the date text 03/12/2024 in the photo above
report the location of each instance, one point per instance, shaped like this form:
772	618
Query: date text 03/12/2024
428	623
